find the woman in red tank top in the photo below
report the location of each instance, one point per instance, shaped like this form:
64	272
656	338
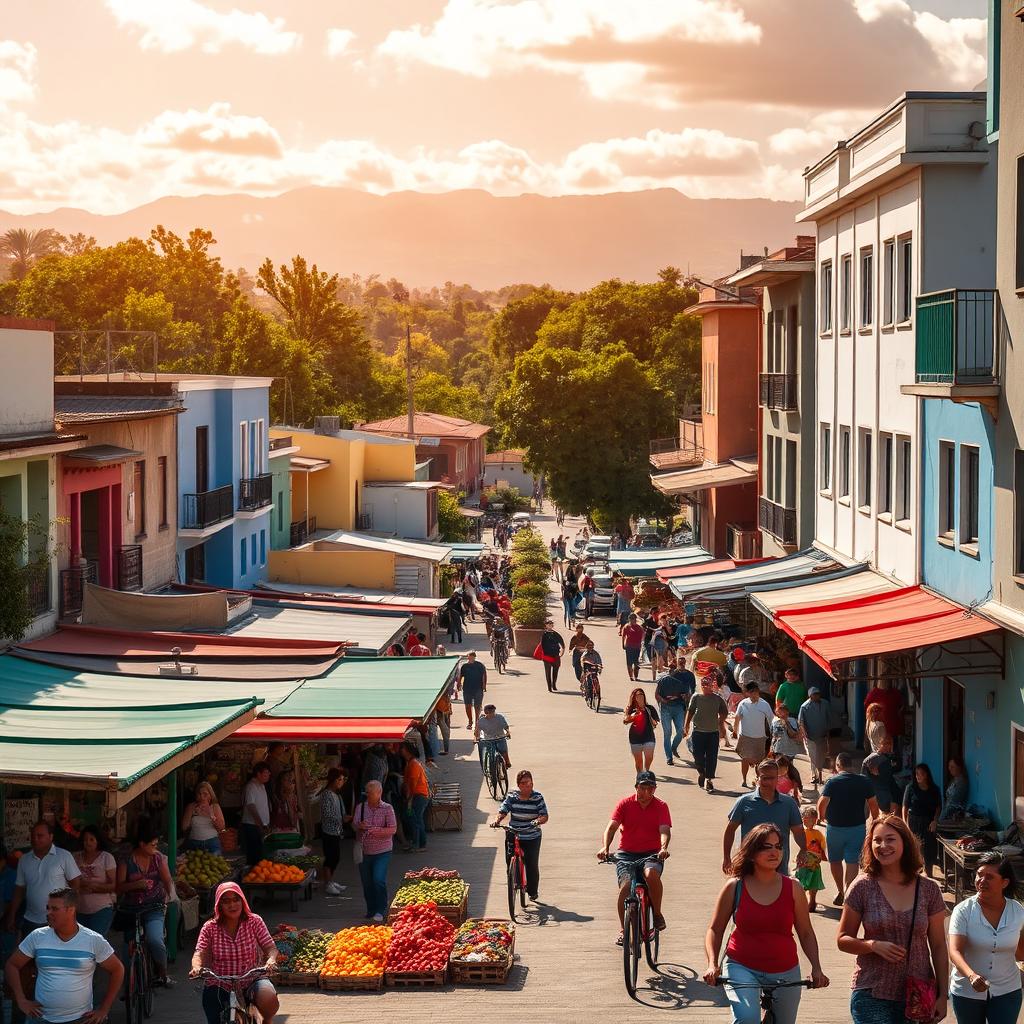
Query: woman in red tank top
766	908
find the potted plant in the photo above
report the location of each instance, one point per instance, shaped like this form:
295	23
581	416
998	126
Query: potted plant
531	567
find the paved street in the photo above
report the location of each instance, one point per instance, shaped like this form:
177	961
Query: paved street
568	964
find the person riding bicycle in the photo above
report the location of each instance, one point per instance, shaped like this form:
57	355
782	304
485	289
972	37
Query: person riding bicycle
591	665
495	731
526	810
646	825
232	942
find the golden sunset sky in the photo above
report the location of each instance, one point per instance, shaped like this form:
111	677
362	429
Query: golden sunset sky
106	104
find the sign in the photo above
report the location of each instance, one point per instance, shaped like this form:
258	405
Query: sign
19	817
430	442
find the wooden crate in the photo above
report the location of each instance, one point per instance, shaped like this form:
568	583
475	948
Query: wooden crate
352	983
454	915
416	979
293	890
296	979
445	815
478	972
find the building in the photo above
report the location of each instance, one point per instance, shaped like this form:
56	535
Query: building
280	453
507	469
454	447
713	464
785	504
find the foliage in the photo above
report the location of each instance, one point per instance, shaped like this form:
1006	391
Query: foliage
529	612
529	573
453	525
23	247
532	591
528	539
25	553
511	499
514	330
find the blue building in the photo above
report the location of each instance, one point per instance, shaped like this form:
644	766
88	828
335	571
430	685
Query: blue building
225	486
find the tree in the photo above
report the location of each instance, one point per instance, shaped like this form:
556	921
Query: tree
514	329
451	523
20	574
23	247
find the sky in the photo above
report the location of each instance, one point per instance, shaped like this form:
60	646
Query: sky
108	104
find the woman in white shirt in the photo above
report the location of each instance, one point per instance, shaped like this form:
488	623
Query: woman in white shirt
986	938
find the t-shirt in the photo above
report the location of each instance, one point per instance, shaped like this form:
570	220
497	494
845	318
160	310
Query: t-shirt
641	826
521	812
883	783
754	718
492	727
921	803
415	778
623	597
679	683
650	627
792	695
256	794
847	794
752	809
683	631
592	658
705	710
39	876
641	729
96	872
66	969
709	656
814	717
551	643
471	675
633	635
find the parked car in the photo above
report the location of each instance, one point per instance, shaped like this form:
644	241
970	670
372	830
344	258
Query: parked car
597	552
604	594
522	519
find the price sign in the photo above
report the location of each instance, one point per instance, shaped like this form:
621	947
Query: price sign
19	817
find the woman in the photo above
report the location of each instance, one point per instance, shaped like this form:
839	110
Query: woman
570	594
233	941
203	821
959	786
416	791
986	938
875	728
902	915
375	825
577	647
143	883
526	810
659	646
766	907
332	822
787	737
285	815
641	719
922	804
99	882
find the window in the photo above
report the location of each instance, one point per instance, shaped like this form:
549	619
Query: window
161	468
243	450
885	467
263	547
844	462
769	467
709	388
1018	509
825	464
1020	223
904	280
790	483
845	293
867	287
865	473
769	337
888	280
252	549
904	480
139	489
280	510
947	488
969	473
826	297
261	447
241	556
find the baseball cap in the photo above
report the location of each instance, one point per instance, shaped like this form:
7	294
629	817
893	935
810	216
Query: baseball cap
813	689
646	779
739	654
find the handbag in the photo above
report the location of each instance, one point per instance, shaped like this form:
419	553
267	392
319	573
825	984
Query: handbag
918	993
357	846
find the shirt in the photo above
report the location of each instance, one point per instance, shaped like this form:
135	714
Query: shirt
492	727
623	597
847	794
633	635
255	794
709	656
882	783
641	729
39	876
754	718
921	803
683	631
521	812
96	872
705	710
415	779
752	809
382	816
551	643
471	675
990	951
593	658
66	969
641	826
814	717
679	683
330	813
792	695
238	954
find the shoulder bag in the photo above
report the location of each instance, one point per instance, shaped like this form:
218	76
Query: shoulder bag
918	993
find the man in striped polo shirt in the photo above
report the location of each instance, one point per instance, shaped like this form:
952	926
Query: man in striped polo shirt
526	811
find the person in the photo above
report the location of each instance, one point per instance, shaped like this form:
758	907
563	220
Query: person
709	656
892	703
752	724
493	728
416	791
472	681
651	626
785	732
958	788
203	820
792	692
143	885
735	664
232	942
552	647
750	669
375	825
632	644
98	882
624	593
814	720
922	805
332	824
375	765
766	907
641	719
42	870
809	876
842	807
285	815
527	811
278	759
646	825
659	646
577	645
456	612
672	693
570	596
874	728
421	649
587	588
683	630
986	939
66	954
706	715
592	662
765	805
790	782
553	555
903	918
255	812
878	769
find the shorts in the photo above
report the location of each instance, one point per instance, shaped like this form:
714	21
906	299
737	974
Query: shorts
751	748
472	698
623	871
845	842
632	657
646	748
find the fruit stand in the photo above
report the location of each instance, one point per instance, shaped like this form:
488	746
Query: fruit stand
483	952
269	878
421	943
203	872
450	895
300	956
355	959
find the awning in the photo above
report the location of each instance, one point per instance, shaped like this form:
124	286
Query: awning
735	583
674	572
471	513
407	548
327	730
105	607
647	561
841	585
351	598
103	454
723	474
305	464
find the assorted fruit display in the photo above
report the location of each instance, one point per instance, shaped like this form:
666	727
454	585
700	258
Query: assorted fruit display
301	951
268	872
431	875
421	941
357	952
483	941
447	893
306	862
202	870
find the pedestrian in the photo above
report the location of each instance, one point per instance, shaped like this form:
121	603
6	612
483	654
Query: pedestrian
752	724
814	720
765	805
986	939
792	692
416	791
332	826
706	715
202	823
66	955
922	804
456	614
790	782
624	592
892	702
641	719
902	964
958	788
766	907
143	885
577	645
526	810
570	596
98	883
632	644
845	802
493	728
879	769
809	876
420	648
651	627
587	588
672	694
44	868
786	737
683	630
441	722
709	656
552	647
471	679
255	812
874	727
375	825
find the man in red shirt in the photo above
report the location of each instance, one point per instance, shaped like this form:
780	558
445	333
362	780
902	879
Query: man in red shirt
633	643
420	649
646	826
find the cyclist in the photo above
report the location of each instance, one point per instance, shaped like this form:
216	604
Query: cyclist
590	663
495	731
646	826
577	645
499	632
526	810
233	941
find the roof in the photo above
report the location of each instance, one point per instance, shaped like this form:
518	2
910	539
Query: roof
183	381
412	485
723	474
408	548
347	435
93	408
103	453
429	424
841	585
734	583
673	572
506	455
647	561
327	730
306	464
352	596
57	441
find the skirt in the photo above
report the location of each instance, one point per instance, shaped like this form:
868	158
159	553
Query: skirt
810	879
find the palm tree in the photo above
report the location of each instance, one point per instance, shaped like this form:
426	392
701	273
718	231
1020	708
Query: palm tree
23	247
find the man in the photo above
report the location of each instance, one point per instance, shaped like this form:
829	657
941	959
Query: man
841	807
753	724
279	758
765	805
592	659
494	729
456	613
673	692
255	812
587	589
471	680
420	648
792	692
814	719
683	631
891	699
552	646
632	644
66	955
878	768
646	832
752	670
623	591
577	645
706	714
709	656
44	869
651	626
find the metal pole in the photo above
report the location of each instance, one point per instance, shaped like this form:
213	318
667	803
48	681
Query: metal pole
172	862
408	379
107	333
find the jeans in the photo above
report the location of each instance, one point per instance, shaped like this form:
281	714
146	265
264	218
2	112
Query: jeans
746	1002
577	662
673	714
252	843
153	931
444	724
705	753
209	845
568	611
551	673
99	921
373	873
531	859
1004	1009
416	827
866	1009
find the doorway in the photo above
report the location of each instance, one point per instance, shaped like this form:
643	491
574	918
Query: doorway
202	460
1018	775
195	564
953	725
90	525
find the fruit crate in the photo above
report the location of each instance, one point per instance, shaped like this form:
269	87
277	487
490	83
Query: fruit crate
352	982
297	979
416	979
452	914
485	972
293	890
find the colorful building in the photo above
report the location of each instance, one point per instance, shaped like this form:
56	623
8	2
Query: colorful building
507	468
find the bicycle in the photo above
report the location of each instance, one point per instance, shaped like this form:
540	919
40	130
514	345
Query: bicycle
768	990
516	872
637	923
590	687
138	973
238	1009
494	769
499	648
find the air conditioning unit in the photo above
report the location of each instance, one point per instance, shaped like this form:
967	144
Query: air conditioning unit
328	425
743	542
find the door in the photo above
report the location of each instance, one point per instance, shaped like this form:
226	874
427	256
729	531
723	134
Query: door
202	460
953	739
1018	775
89	519
195	564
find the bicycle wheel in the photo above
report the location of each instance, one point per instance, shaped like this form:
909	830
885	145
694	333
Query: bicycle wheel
490	769
132	1013
147	983
502	778
596	699
521	874
652	937
138	996
513	882
631	945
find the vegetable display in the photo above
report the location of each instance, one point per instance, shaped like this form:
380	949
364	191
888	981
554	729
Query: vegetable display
431	875
300	952
306	862
483	942
357	952
421	941
444	893
267	872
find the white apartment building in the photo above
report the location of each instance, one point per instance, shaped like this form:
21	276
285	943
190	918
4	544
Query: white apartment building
894	209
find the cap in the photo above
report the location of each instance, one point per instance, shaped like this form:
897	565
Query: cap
813	689
738	654
646	779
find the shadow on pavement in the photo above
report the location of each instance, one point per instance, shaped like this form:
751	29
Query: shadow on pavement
678	987
546	914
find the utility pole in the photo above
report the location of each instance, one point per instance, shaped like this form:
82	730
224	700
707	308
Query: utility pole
408	380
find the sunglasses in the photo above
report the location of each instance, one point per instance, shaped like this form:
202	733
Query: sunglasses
769	846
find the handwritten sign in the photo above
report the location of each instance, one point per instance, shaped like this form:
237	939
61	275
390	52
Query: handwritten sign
19	817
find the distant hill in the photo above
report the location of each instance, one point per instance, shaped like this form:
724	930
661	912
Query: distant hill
466	236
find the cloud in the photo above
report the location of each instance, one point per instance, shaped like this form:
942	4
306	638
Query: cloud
818	135
171	26
17	71
338	41
213	130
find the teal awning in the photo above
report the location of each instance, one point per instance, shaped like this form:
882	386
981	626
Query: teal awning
647	561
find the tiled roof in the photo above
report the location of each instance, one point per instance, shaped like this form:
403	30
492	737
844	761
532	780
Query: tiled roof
505	455
429	424
90	408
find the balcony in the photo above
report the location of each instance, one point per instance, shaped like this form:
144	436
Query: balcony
207	508
37	587
778	390
72	588
129	567
687	449
742	541
301	531
255	492
777	520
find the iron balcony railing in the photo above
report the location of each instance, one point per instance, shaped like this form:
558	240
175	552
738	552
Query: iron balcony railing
301	531
72	587
207	508
955	337
37	587
778	390
129	567
742	542
255	492
777	520
277	443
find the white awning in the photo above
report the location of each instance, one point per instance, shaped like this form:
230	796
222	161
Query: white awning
844	585
723	474
736	583
367	541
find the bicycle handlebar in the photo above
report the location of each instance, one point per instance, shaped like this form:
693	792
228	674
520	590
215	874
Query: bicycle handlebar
233	978
768	986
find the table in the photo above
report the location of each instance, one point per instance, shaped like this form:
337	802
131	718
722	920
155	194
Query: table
958	867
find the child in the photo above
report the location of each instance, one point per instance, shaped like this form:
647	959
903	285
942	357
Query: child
790	782
809	876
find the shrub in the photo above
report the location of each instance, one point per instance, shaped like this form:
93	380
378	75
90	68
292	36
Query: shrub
529	574
529	612
532	591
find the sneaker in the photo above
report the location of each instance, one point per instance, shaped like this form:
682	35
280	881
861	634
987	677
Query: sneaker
659	922
378	918
670	761
618	941
709	786
333	889
700	781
